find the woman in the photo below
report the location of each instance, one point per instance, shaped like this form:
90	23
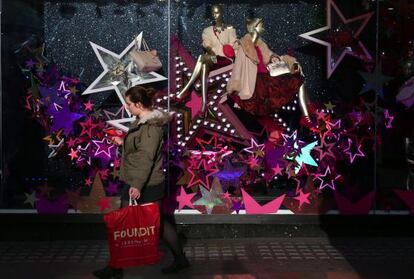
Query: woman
141	169
259	93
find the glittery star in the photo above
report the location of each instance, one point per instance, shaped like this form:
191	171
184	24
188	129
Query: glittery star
333	37
31	198
107	82
327	180
255	149
358	152
210	199
184	199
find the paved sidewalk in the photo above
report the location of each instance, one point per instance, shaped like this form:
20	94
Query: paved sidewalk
284	258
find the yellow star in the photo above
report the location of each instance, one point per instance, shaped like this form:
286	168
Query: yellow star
259	153
51	139
73	90
330	106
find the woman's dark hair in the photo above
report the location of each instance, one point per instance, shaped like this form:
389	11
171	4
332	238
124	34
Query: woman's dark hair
141	94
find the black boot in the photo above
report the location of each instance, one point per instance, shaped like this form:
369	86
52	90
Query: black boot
109	273
177	265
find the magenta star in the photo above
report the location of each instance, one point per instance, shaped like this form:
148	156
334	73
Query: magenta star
104	147
73	154
358	152
184	199
340	40
388	119
88	105
327	180
302	198
277	170
325	149
88	127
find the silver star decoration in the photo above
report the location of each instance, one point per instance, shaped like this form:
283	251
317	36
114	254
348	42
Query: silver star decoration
211	198
119	72
31	198
55	148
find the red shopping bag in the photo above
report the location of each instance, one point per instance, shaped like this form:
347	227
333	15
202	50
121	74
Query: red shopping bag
133	235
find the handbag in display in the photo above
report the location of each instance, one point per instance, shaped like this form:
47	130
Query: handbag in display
145	59
278	68
228	51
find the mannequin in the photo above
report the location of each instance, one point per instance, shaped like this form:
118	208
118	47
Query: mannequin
214	39
259	93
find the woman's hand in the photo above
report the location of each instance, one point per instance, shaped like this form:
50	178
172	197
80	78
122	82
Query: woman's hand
117	140
134	193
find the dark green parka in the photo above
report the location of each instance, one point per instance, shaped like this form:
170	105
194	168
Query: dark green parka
141	163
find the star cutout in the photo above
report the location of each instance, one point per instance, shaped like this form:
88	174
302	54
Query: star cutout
104	147
210	199
109	61
375	81
257	150
358	152
184	199
305	157
302	198
87	127
325	149
31	198
277	170
330	106
340	38
88	105
388	119
64	119
73	154
327	180
201	174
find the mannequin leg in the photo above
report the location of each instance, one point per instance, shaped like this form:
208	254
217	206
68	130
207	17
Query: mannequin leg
197	70
204	84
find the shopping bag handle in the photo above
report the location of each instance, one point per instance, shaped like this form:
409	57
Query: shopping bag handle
132	202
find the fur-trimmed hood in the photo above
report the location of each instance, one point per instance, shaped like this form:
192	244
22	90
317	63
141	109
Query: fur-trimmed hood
155	118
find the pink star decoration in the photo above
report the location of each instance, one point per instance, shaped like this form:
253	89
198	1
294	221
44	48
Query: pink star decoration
184	199
252	207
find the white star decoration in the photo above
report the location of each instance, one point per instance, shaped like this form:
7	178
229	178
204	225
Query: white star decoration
104	82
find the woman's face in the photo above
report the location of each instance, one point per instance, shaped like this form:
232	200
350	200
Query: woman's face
216	12
134	108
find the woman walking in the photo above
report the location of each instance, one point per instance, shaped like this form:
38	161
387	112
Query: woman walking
141	170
